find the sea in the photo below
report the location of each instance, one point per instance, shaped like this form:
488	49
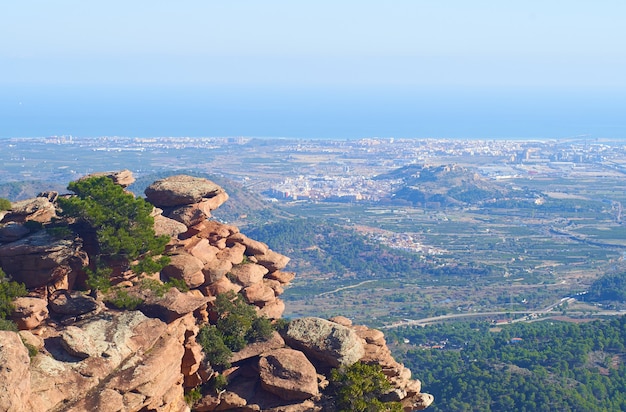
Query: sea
309	112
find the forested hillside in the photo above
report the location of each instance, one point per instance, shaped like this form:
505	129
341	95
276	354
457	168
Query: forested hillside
542	366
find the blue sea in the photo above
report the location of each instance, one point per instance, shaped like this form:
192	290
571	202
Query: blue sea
309	112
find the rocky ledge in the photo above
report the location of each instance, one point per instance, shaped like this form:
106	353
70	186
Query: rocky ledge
91	357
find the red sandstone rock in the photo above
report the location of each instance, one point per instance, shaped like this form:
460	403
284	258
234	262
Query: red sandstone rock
288	374
28	312
14	373
186	267
180	190
248	274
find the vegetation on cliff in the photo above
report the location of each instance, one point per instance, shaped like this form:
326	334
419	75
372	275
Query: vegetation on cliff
123	225
360	387
543	366
9	290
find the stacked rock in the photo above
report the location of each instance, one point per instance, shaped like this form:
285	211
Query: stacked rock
210	256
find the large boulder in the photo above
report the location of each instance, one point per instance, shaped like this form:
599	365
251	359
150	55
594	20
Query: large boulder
14	373
78	343
166	226
248	273
329	342
40	260
64	302
186	267
39	209
181	190
288	374
173	304
28	313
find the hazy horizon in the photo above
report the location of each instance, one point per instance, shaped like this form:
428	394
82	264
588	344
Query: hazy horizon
455	69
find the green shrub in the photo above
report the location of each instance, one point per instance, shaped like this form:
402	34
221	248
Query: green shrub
9	290
216	352
100	279
192	396
121	299
161	288
6	324
123	224
359	387
59	232
238	322
5	204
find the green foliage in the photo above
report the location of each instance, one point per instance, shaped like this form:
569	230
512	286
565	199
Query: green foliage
99	279
218	382
237	325
121	299
161	288
33	226
216	352
9	290
611	287
555	366
359	387
238	322
5	204
6	324
59	232
32	350
122	223
192	396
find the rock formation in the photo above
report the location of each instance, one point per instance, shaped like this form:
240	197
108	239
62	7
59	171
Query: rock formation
91	357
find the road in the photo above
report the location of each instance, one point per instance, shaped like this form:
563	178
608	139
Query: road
546	310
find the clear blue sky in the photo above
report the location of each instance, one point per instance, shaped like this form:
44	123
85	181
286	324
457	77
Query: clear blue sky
484	45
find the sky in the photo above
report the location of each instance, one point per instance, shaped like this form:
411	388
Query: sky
284	67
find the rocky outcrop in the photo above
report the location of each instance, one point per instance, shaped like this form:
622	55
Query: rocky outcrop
15	381
331	343
96	358
29	313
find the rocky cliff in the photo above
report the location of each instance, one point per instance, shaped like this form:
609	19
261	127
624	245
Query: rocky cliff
88	356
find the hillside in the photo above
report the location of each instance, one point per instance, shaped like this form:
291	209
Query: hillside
445	185
127	304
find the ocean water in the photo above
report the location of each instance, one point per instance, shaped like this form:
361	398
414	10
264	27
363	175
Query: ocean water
325	112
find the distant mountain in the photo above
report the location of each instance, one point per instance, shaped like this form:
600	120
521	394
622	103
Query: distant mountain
28	189
441	186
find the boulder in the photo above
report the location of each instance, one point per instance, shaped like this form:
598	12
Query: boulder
188	215
258	348
417	402
274	285
39	209
258	294
40	259
222	285
282	277
234	254
29	313
202	249
173	305
15	386
248	274
273	309
186	267
210	204
288	374
272	260
166	226
215	270
329	342
342	320
181	190
78	343
12	231
253	247
63	302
